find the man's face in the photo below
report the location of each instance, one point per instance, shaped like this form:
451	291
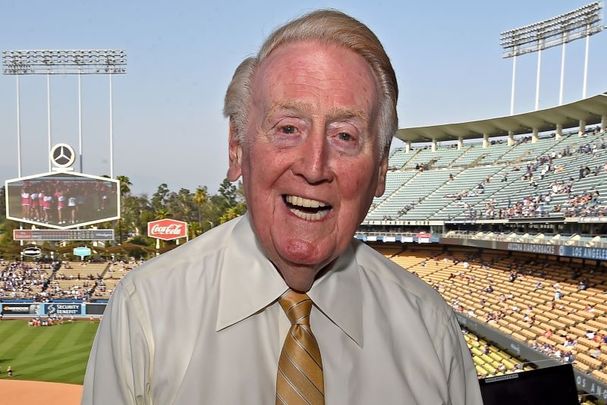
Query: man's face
310	160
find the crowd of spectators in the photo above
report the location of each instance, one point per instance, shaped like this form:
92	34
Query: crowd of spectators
584	205
42	282
539	202
20	280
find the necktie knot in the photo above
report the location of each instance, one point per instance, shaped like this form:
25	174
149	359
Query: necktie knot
297	307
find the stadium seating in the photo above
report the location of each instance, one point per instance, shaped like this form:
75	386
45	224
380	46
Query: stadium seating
517	294
527	179
490	360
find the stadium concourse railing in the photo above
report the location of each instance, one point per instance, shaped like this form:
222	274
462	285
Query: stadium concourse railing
584	382
582	247
592	248
569	240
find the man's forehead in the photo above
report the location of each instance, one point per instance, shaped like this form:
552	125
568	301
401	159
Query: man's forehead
309	55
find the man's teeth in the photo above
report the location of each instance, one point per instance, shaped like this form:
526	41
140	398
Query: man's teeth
295	201
304	202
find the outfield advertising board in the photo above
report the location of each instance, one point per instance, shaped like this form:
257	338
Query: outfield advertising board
95	309
33	309
56	309
21	309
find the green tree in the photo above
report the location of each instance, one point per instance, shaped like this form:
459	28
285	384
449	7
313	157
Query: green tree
229	192
159	198
125	185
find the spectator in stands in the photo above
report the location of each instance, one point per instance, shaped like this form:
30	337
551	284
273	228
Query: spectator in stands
569	342
595	352
310	119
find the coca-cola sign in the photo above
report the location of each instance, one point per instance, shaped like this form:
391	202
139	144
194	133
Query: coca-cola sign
167	229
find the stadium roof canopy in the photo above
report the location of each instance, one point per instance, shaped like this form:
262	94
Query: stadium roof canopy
589	110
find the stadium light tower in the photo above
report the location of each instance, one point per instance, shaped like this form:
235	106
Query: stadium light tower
579	23
64	62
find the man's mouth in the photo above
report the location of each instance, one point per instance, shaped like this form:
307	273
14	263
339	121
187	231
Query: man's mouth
305	208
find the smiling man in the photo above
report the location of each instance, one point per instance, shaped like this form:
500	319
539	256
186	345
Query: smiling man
282	305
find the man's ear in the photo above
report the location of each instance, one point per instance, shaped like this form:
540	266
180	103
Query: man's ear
234	153
381	176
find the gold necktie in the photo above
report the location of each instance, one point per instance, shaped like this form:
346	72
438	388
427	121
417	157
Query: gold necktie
299	379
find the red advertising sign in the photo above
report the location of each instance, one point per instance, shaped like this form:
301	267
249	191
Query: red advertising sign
167	229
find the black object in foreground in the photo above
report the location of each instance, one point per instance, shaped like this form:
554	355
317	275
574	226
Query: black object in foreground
552	385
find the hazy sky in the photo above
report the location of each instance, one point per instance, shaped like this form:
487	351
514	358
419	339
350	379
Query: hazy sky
168	125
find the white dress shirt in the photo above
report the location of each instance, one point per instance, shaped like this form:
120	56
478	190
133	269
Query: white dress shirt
202	325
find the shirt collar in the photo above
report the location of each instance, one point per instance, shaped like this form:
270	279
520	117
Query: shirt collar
338	294
250	282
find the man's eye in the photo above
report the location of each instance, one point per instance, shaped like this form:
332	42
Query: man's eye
344	136
288	129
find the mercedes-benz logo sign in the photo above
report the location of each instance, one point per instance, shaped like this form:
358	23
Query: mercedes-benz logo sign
62	155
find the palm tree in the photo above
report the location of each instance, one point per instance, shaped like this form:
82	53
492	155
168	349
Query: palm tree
201	197
125	184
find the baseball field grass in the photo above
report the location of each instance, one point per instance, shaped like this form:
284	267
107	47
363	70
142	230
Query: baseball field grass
55	353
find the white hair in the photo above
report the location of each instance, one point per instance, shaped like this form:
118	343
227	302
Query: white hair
328	26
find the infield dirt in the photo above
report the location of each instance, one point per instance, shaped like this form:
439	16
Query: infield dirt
39	393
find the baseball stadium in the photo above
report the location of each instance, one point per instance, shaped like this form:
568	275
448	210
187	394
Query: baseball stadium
506	218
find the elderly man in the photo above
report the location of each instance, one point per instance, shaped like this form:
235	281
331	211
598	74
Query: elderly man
282	305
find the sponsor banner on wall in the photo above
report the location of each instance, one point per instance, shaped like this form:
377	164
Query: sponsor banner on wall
556	250
584	252
63	309
529	248
26	309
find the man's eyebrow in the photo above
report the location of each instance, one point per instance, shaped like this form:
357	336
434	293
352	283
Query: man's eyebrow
290	106
335	114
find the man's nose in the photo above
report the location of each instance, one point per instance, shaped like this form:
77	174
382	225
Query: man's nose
313	162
